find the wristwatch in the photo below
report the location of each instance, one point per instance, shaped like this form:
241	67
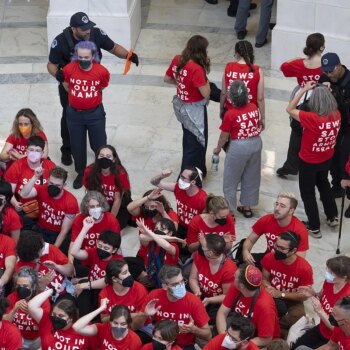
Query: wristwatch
283	295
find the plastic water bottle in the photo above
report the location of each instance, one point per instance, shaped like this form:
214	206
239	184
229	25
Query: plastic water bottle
215	163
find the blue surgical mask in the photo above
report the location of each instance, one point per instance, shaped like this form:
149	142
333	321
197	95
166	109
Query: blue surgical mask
179	291
329	277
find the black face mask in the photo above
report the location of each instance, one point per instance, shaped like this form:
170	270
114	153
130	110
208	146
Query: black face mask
23	292
159	232
58	322
84	64
280	255
333	321
128	282
221	222
151	212
2	201
104	163
102	254
158	345
201	251
53	190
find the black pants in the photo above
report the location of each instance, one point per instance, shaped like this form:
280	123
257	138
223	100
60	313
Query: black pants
311	176
88	301
311	338
64	127
233	6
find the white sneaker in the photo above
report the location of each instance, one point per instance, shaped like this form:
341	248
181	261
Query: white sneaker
315	233
334	222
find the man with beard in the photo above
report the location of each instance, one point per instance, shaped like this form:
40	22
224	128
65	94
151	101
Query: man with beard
62	49
272	225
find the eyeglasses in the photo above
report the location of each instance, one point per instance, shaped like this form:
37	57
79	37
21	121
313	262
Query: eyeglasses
280	248
180	283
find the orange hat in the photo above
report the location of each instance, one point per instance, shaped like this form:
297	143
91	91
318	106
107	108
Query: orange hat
253	276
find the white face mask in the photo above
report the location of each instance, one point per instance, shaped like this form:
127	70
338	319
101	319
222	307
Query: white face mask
228	343
95	212
183	185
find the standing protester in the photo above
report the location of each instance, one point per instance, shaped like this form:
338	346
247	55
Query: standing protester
321	126
304	69
84	79
188	72
62	49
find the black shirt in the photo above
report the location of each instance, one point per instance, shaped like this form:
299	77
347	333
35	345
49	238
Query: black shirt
61	52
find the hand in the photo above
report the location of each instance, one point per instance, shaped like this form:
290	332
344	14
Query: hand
104	303
160	207
262	124
166	173
228	237
247	257
201	238
39	171
141	225
18	206
216	151
21	304
206	302
273	292
151	308
14	155
198	293
308	291
59	76
88	222
50	264
135	59
57	287
345	183
309	85
188	328
156	193
78	289
46	279
316	305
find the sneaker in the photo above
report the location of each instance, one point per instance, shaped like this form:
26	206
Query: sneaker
261	44
241	35
332	223
347	212
66	158
284	172
78	182
315	233
338	192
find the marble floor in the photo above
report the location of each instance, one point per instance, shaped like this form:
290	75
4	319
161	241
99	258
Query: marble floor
140	119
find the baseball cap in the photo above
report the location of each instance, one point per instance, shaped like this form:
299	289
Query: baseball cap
329	61
81	20
253	276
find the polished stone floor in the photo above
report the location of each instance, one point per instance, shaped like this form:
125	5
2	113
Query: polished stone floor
140	119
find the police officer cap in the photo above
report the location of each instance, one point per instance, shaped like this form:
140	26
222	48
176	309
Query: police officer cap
81	20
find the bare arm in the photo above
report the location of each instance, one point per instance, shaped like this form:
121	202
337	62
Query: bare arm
34	305
116	203
223	96
205	90
10	262
28	190
76	250
222	140
119	51
193	281
4	155
52	68
15	235
262	342
46	150
302	254
134	208
221	318
158	181
247	247
66	226
169	80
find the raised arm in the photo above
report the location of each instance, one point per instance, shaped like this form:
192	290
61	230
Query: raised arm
76	250
34	305
158	181
28	190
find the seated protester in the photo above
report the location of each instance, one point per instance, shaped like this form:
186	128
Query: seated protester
55	327
26	283
190	198
7	263
247	297
172	301
216	219
94	204
96	259
10	336
108	176
272	225
237	336
283	272
121	289
52	265
22	171
25	125
57	207
115	333
164	337
211	273
335	286
10	221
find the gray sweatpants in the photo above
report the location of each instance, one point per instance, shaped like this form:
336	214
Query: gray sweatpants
243	165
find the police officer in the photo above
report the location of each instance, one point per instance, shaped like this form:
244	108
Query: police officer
62	48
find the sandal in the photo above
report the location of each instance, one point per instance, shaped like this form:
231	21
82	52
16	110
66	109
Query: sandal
247	213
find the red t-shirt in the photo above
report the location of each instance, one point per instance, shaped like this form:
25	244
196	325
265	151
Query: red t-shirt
319	136
297	69
339	337
215	344
180	311
85	87
151	222
198	225
108	222
188	207
242	122
209	283
168	258
108	183
328	300
52	211
10	336
191	77
20	173
106	341
149	346
237	71
96	265
133	299
264	314
11	221
60	339
27	326
268	226
20	143
285	277
7	248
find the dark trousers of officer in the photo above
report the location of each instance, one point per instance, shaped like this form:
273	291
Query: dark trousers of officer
65	148
311	338
311	176
92	121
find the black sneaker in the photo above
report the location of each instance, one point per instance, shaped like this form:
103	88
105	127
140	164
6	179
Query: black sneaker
284	172
66	158
338	192
241	35
347	212
261	44
78	182
212	2
253	6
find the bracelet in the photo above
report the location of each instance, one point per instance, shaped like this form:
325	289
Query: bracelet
89	285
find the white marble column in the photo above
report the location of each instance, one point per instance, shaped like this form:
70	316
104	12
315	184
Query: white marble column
296	19
120	19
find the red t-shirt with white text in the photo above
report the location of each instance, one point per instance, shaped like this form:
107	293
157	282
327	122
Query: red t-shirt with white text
268	226
191	77
215	344
151	222
211	283
288	277
20	143
339	337
319	136
85	87
10	336
242	122
11	221
168	258
7	248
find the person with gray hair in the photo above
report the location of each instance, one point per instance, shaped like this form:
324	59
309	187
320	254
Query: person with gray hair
242	126
320	129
